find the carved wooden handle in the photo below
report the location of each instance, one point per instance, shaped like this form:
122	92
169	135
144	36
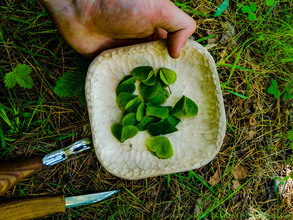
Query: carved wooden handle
12	173
32	208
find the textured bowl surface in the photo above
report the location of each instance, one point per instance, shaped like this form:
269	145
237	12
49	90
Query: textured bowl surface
198	140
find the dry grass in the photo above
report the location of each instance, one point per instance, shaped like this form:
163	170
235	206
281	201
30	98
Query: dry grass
255	138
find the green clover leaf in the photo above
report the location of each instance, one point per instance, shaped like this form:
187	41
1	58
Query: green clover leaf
160	147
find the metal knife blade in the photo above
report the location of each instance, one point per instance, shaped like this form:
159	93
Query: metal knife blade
74	201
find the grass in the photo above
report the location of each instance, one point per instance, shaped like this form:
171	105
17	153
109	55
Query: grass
35	122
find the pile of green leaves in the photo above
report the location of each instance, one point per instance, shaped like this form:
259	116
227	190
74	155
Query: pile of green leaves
143	112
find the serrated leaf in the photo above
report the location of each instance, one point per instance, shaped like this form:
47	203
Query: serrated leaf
270	2
251	16
253	6
25	81
246	9
69	84
19	75
82	64
221	8
10	80
81	97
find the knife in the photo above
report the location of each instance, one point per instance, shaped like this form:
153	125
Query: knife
32	208
12	173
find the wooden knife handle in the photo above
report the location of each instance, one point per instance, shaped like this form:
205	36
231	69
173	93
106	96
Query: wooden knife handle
32	208
12	173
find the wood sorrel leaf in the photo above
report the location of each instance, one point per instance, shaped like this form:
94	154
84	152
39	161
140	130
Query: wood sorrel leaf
151	81
143	73
159	99
179	108
125	97
166	93
126	86
124	79
161	147
116	130
168	127
128	131
191	108
253	6
140	111
156	129
149	92
167	76
173	120
129	119
132	105
157	111
142	125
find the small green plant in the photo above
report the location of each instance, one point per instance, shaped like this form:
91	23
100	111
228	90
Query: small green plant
270	2
274	90
21	76
250	10
283	180
72	83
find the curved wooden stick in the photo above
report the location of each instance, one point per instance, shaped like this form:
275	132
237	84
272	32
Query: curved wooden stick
12	173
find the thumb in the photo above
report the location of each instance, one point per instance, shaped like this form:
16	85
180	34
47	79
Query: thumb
179	26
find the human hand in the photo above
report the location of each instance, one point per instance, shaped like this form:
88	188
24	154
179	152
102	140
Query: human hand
91	26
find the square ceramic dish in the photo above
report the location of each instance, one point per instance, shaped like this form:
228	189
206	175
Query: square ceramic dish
198	140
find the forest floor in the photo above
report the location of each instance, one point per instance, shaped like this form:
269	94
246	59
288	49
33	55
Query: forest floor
249	178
